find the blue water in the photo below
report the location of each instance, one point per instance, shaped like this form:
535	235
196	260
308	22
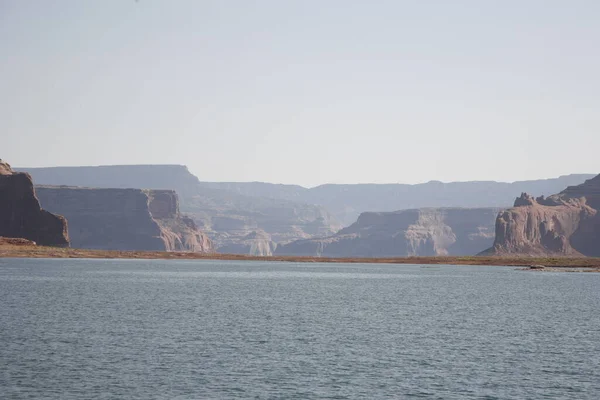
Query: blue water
107	329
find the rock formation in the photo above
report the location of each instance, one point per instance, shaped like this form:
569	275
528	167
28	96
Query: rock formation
274	214
178	231
346	202
4	241
236	223
419	232
257	243
124	219
565	224
254	225
21	215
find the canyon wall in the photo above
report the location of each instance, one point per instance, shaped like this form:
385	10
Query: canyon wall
21	215
236	223
347	201
565	224
124	219
256	217
418	232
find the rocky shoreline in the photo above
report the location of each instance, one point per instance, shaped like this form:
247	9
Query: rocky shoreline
571	264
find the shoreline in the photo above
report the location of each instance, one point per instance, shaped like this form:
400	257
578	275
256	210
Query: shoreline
533	263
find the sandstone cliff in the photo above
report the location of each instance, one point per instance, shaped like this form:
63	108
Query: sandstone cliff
256	216
236	223
566	224
21	215
419	232
124	219
255	225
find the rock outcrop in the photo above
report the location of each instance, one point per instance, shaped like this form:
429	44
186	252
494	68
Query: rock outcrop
4	241
178	231
257	243
21	215
565	224
419	232
124	219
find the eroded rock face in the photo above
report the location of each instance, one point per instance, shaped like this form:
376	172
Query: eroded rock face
565	224
124	219
347	202
257	226
236	222
280	214
419	232
21	215
178	231
163	203
256	243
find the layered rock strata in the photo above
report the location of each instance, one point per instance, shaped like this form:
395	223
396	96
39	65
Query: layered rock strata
124	219
419	232
565	224
21	215
347	202
236	222
256	217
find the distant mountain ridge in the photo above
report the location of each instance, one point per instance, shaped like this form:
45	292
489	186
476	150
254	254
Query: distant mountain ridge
347	201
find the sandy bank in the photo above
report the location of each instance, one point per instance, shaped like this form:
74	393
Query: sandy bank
555	263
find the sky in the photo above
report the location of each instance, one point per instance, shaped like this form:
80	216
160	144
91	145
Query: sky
305	91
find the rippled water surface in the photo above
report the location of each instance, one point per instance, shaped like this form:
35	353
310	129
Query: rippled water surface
108	329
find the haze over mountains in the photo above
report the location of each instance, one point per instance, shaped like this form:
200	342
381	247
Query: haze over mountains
418	232
347	201
256	218
344	201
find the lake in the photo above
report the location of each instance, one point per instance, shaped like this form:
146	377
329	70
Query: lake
156	329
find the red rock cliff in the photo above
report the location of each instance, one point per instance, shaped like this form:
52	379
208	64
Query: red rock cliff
178	232
416	232
21	215
565	224
124	219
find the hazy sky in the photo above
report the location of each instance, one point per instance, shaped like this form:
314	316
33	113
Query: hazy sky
307	91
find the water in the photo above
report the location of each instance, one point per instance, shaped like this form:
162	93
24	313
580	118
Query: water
108	329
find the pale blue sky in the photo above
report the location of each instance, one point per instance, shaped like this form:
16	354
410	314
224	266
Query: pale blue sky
305	91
